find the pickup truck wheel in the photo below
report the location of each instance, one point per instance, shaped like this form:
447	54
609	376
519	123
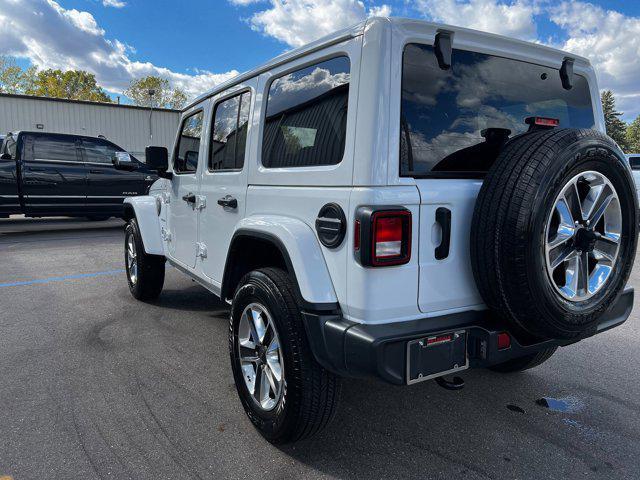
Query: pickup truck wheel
524	363
554	232
145	273
286	394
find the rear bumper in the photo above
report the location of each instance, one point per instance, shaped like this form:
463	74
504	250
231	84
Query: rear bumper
359	350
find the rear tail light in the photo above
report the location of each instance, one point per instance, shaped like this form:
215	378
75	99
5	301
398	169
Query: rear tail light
504	341
383	237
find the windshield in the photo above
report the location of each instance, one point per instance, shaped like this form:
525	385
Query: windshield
455	121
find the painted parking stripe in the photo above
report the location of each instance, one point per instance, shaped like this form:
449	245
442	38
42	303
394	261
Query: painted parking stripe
61	279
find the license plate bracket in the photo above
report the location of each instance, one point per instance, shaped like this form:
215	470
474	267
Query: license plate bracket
436	355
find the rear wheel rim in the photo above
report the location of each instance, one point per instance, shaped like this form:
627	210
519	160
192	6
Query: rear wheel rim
259	355
582	236
132	260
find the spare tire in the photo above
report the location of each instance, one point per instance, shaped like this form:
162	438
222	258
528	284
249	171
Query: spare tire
554	232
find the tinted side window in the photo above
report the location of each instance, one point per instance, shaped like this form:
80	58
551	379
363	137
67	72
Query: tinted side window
635	163
229	134
306	117
10	146
186	153
54	148
456	121
99	151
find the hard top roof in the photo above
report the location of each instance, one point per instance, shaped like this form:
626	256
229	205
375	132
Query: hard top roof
358	29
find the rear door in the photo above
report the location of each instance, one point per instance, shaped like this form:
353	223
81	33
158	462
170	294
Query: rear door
107	187
224	178
54	177
454	123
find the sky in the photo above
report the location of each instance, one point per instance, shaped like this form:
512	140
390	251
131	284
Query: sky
196	44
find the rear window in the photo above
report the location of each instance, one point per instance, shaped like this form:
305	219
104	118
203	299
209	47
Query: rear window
229	133
306	118
59	149
454	121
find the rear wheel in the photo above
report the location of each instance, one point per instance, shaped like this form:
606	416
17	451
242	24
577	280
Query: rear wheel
145	273
286	394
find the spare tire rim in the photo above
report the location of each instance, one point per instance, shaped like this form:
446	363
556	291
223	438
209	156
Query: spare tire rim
260	356
582	237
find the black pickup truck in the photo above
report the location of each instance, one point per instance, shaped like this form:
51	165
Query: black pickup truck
51	174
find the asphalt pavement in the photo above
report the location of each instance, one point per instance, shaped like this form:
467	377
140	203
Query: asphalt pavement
94	384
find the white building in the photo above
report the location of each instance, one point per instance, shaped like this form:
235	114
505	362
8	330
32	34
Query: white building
128	126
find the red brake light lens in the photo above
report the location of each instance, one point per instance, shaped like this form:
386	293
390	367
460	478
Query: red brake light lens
543	121
391	238
504	341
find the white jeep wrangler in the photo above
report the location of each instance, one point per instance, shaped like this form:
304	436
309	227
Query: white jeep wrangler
400	200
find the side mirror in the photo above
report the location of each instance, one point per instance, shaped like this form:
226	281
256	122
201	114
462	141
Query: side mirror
157	158
5	156
123	161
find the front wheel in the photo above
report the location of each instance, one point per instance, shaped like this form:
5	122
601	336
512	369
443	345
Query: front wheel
286	394
145	273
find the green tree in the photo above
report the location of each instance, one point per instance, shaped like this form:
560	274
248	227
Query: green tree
163	95
14	79
616	128
633	136
71	84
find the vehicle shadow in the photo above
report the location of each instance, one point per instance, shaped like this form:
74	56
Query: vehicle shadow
491	429
192	298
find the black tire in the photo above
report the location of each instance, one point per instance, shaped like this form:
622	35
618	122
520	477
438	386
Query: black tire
149	275
508	231
524	363
310	395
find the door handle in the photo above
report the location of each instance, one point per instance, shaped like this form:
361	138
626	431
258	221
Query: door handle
189	198
443	217
228	201
96	171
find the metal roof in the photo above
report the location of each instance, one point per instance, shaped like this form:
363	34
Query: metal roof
85	102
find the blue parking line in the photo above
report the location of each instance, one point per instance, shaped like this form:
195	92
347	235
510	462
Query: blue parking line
61	279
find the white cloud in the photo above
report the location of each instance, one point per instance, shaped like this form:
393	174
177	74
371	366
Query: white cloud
53	37
380	11
611	41
297	22
513	19
114	3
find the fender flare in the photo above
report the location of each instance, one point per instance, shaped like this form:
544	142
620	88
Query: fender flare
145	210
302	254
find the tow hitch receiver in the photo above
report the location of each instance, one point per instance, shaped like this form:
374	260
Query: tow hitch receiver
437	355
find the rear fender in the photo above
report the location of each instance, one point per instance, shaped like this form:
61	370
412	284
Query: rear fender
301	251
144	209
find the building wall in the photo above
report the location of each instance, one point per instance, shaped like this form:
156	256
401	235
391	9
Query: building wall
125	125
